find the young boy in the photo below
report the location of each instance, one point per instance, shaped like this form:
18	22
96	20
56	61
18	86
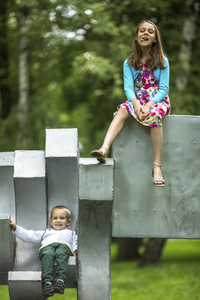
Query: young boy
57	243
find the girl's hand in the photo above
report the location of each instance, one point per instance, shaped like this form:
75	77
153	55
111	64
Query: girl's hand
13	225
137	108
145	111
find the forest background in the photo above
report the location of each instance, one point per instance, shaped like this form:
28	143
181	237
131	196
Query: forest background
61	64
61	67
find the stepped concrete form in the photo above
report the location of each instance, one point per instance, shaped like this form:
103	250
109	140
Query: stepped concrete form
62	159
6	248
95	208
7	208
116	199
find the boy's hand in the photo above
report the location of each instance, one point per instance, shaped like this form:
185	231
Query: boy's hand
13	225
74	253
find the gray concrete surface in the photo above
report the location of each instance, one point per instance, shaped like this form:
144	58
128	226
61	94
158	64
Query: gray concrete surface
6	248
7	209
142	210
55	176
94	234
62	158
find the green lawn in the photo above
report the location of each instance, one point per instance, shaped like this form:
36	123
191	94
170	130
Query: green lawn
177	278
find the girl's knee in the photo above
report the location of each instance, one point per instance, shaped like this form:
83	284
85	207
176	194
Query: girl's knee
123	111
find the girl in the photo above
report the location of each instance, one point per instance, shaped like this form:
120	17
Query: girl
146	84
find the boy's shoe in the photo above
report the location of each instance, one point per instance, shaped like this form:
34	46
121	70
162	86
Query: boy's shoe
59	287
48	290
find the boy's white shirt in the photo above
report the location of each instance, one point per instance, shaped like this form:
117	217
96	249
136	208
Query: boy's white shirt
64	236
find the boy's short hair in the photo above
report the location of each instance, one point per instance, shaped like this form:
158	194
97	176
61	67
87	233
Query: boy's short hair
68	212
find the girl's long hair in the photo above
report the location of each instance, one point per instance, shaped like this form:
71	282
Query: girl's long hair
156	55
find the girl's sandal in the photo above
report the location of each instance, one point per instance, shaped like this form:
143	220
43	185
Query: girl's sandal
157	181
100	155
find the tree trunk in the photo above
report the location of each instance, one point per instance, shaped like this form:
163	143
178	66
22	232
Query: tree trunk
153	252
128	248
5	93
189	35
23	75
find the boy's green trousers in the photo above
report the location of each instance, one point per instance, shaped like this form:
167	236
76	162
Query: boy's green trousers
48	255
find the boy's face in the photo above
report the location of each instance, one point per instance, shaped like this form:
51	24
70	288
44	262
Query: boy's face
59	219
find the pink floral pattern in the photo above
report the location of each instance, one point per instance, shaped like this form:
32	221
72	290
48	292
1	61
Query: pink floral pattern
146	87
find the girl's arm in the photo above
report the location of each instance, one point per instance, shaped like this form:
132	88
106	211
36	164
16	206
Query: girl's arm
129	81
163	83
129	77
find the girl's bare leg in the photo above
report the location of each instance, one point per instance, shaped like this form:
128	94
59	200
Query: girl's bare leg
157	140
115	126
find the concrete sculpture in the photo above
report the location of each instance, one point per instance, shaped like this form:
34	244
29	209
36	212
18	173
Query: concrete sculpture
112	199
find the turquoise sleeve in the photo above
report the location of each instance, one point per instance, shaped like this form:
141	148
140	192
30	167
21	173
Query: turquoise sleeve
129	81
163	79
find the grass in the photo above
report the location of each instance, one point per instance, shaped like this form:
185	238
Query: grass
178	277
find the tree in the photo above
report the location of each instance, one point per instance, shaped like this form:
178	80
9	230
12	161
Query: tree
187	44
23	74
5	91
128	248
73	52
185	82
153	251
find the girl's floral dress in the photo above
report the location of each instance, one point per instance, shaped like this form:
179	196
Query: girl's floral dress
145	87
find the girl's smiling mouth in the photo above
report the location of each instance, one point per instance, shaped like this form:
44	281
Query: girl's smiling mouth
144	39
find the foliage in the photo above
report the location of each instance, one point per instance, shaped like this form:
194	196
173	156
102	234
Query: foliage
76	52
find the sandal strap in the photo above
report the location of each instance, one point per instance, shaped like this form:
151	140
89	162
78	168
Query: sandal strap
104	152
104	148
157	165
158	179
154	166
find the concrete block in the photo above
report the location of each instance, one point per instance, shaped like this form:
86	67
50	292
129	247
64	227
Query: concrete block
6	248
94	231
30	189
7	195
7	210
96	179
62	143
62	156
142	210
31	204
25	285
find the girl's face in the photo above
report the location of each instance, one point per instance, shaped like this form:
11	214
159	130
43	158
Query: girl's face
59	219
146	35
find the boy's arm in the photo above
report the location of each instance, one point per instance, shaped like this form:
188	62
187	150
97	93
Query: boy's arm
29	236
74	244
13	225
